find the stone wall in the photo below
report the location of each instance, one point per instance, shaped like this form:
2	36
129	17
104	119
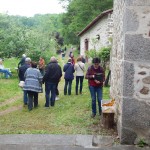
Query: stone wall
130	79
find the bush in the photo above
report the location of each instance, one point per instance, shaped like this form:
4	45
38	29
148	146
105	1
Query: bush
36	54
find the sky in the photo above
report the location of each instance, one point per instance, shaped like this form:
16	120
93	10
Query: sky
29	8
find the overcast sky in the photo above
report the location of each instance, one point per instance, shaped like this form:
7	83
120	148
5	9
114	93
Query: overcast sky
30	7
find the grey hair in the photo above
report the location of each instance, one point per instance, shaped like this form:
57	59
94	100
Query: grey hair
28	59
53	59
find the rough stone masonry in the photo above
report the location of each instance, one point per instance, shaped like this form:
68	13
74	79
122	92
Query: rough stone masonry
130	65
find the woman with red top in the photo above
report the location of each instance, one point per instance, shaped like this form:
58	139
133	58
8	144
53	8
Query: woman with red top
96	76
42	66
72	59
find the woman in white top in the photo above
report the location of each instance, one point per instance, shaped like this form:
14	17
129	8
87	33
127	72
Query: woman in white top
79	68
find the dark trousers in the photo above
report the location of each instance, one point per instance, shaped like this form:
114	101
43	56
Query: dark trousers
32	98
79	79
50	93
67	87
57	91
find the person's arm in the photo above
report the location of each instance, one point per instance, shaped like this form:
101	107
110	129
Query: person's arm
65	67
40	77
73	70
83	67
89	74
75	67
46	74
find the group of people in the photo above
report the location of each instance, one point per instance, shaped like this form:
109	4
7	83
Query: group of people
33	77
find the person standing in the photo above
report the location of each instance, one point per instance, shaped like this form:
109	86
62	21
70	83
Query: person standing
69	76
72	59
79	68
82	59
96	76
51	78
41	65
33	85
22	61
57	91
21	73
4	70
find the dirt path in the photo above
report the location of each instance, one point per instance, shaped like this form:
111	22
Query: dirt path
10	101
10	109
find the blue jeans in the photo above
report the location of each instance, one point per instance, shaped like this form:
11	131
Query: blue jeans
67	87
50	89
79	78
96	92
25	97
6	72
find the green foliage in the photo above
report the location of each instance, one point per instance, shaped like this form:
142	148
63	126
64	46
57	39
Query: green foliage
20	35
103	54
142	143
79	15
92	53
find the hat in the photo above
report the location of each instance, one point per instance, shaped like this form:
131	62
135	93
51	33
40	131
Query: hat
28	59
23	55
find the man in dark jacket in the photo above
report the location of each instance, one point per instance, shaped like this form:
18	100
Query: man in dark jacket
21	73
51	78
22	61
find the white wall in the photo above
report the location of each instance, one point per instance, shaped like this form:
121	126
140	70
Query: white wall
102	28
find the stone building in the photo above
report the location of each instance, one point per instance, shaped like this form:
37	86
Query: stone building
130	69
97	33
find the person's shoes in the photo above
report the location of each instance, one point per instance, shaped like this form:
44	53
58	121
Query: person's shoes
57	98
46	106
52	104
93	115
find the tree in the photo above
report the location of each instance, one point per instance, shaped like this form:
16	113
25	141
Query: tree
79	14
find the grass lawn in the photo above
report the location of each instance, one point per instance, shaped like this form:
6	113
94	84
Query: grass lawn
71	114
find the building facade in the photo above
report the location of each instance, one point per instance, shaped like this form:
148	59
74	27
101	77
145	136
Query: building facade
97	34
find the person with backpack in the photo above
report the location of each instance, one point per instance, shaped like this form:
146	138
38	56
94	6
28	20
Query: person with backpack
79	68
96	76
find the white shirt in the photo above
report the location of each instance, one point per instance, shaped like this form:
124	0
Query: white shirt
79	68
1	66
